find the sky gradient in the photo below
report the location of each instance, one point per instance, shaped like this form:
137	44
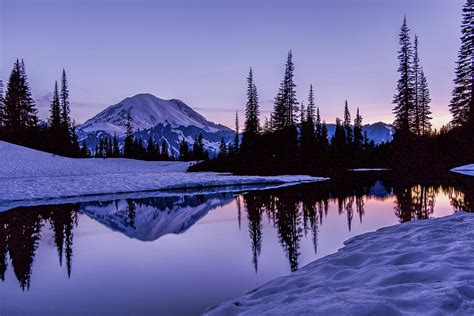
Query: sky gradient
201	51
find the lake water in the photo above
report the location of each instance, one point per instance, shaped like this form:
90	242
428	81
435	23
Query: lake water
182	253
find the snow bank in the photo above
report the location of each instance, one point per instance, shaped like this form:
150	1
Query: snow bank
420	267
27	175
467	170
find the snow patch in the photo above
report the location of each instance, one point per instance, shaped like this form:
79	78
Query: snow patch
27	175
466	170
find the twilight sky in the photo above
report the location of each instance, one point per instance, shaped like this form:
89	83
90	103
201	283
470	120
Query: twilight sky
200	51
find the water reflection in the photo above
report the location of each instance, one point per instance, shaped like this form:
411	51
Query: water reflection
20	234
296	213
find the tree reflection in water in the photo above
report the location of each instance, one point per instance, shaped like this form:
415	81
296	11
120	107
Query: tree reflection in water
295	212
21	232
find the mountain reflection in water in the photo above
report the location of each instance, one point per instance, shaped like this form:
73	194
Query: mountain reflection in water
295	212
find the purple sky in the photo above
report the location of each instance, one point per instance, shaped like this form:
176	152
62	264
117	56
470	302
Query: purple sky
200	51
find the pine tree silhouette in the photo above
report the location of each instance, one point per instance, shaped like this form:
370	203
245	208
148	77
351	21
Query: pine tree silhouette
462	103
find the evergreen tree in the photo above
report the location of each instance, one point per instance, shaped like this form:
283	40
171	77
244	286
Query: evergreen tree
252	112
74	141
324	137
55	116
286	105
303	113
308	139
311	105
19	113
424	104
347	124
279	113
2	105
64	101
115	146
318	127
12	100
290	94
236	136
404	98
198	148
339	141
462	103
416	120
358	137
150	149
54	122
128	142
183	150
28	112
84	150
222	149
267	126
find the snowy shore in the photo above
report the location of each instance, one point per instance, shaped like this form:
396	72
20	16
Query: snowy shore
467	170
420	267
27	175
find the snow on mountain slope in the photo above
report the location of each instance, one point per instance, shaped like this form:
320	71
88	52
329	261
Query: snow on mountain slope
148	111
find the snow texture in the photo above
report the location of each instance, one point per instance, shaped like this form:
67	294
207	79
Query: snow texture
27	174
420	267
467	170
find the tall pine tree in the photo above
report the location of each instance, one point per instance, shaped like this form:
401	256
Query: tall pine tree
462	103
416	119
311	105
55	113
2	105
252	112
54	122
424	100
20	118
236	134
286	104
404	98
347	123
358	136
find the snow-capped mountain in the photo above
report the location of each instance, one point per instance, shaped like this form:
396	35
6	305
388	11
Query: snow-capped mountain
147	111
169	120
378	132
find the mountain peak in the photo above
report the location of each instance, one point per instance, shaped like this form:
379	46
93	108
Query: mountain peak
148	111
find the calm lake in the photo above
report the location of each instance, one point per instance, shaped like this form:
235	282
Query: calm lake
181	253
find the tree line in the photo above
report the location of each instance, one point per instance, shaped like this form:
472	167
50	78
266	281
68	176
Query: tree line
295	138
19	121
415	146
